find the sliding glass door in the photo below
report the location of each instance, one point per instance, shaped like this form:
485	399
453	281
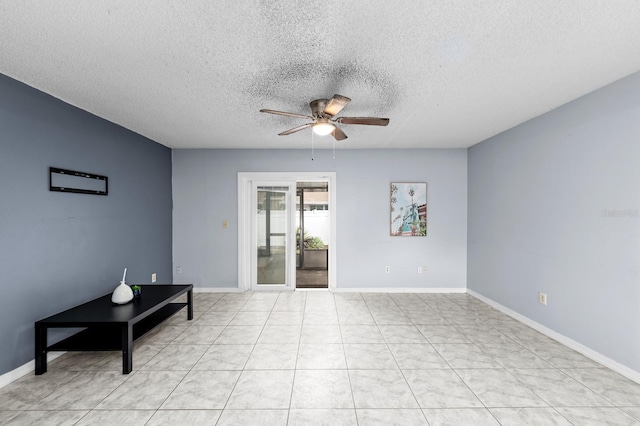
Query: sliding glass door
267	228
273	236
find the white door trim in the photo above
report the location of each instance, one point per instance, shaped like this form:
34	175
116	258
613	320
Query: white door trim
245	245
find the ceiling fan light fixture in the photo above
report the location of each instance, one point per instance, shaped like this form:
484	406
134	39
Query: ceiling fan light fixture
323	128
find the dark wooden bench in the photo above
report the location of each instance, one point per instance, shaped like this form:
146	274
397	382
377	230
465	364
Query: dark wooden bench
110	327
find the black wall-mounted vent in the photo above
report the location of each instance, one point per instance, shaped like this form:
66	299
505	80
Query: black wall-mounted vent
62	180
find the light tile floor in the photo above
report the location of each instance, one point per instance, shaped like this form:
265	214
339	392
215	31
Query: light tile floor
319	358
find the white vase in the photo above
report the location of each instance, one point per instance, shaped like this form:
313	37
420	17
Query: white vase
122	294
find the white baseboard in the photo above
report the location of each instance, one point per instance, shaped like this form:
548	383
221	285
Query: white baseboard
399	290
218	290
25	369
576	346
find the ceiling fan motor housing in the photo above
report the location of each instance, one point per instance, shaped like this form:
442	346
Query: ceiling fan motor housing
317	108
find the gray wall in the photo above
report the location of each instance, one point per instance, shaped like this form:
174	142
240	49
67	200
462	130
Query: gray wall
60	249
205	194
554	206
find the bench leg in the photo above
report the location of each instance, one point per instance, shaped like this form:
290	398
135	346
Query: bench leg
190	305
41	350
127	348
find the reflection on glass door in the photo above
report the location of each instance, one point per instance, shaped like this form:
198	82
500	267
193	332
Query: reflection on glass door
272	236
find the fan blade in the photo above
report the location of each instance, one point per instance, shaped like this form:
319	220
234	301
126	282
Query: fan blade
338	134
287	114
370	121
336	104
295	129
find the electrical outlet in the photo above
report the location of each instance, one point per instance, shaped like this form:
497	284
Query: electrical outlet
419	269
154	277
542	298
387	269
179	270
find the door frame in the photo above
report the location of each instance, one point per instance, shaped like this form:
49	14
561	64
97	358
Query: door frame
245	217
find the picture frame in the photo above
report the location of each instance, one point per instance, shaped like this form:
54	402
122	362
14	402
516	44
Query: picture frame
408	209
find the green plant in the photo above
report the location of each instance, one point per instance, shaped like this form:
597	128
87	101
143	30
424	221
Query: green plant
315	243
309	241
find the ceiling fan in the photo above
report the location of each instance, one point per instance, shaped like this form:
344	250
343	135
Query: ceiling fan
323	114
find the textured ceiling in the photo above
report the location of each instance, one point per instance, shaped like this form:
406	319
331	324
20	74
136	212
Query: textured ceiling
194	74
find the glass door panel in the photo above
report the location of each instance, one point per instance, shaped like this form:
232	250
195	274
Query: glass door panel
273	235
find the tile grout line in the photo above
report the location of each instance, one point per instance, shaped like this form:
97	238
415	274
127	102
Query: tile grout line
191	369
295	366
246	361
463	381
508	372
346	363
400	369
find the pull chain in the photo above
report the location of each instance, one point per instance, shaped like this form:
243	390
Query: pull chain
334	148
312	145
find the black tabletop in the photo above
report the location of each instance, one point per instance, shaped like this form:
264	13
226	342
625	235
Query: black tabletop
103	311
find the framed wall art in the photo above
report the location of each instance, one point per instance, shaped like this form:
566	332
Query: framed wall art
408	203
